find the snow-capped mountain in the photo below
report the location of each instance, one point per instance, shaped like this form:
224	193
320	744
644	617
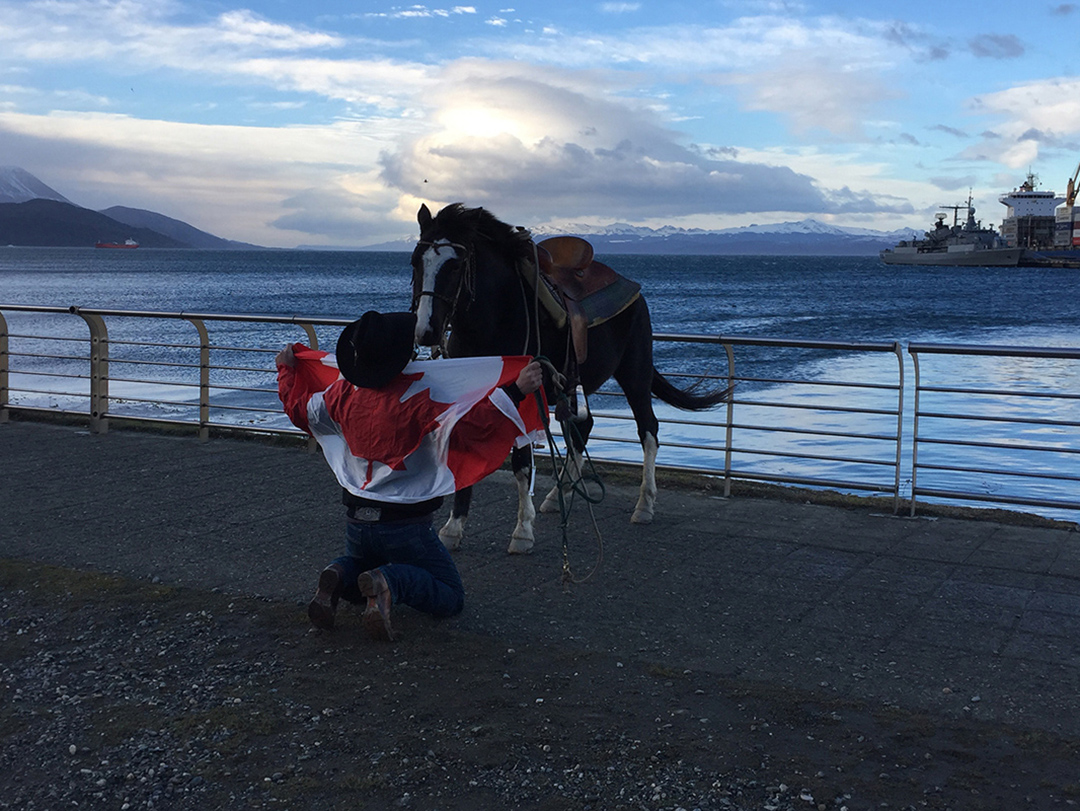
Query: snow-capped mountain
18	186
32	213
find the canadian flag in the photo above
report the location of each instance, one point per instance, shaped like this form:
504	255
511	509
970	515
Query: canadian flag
439	426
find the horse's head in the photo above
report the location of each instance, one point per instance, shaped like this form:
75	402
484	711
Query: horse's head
439	265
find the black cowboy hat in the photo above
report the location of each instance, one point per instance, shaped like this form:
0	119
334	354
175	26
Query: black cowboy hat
374	349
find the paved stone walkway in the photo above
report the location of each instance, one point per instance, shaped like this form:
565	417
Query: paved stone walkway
961	617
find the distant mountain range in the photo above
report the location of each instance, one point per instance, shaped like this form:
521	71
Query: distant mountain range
803	238
33	214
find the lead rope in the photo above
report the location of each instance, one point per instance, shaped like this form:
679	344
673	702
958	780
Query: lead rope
561	469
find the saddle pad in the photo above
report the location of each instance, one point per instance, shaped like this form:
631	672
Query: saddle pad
609	301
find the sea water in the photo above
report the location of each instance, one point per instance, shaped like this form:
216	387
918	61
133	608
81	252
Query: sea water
845	299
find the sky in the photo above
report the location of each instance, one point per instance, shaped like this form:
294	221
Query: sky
325	123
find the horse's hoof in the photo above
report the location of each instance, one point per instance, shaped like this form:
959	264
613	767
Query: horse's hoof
550	505
520	546
641	517
449	540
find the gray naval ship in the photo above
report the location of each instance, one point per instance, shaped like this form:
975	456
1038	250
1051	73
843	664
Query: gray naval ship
961	244
1036	232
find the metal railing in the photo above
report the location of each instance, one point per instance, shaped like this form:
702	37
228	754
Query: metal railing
790	430
841	425
189	380
990	435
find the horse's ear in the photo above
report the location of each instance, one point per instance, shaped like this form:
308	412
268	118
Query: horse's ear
423	216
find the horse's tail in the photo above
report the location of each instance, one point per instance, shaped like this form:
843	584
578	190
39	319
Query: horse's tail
687	400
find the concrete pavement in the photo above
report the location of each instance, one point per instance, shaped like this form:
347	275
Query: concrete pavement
967	617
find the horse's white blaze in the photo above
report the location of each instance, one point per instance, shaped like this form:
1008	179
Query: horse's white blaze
643	512
432	261
522	540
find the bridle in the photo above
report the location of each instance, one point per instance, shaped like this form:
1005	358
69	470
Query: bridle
466	282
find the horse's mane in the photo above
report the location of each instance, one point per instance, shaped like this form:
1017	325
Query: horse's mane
480	223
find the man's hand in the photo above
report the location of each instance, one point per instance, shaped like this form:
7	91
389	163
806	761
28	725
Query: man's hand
286	357
530	378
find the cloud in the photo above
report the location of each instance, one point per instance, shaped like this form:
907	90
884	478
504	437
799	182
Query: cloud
814	94
1033	115
954	183
949	130
525	146
232	181
997	46
414	12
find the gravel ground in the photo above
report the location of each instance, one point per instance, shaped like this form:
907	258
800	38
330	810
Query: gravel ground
118	694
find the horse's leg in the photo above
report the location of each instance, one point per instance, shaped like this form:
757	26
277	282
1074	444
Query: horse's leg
571	472
521	542
454	528
634	376
646	503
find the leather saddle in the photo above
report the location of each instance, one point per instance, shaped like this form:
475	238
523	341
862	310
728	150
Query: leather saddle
575	288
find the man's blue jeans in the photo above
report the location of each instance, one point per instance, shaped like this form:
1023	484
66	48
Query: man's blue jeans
417	567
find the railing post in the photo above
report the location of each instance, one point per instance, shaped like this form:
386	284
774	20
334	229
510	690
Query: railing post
204	378
99	371
730	352
914	432
3	369
899	425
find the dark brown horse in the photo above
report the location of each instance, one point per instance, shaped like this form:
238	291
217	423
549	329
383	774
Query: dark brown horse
471	298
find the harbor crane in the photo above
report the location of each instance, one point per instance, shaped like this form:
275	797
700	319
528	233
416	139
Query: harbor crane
1071	189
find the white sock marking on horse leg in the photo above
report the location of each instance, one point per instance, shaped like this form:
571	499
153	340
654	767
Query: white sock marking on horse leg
452	532
521	542
571	473
643	512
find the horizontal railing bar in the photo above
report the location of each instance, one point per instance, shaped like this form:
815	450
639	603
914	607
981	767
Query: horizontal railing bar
1001	472
256	409
811	407
773	453
168	364
1007	420
1001	392
55	393
117	342
48	356
1059	353
163	383
34	373
239	317
997	499
786	380
1001	446
750	340
124	398
751	476
813	432
853	460
28	337
849	485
